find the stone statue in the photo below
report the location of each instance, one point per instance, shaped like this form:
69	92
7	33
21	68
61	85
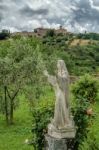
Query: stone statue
62	117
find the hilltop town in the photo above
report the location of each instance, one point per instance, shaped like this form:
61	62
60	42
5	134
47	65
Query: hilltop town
41	32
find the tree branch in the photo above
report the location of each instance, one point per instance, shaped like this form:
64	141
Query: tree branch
14	95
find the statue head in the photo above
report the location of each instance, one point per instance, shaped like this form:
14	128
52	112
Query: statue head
62	76
62	70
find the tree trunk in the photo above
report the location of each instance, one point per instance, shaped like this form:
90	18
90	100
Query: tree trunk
6	105
12	104
11	111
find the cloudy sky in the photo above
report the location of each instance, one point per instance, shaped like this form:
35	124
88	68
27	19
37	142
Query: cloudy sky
75	15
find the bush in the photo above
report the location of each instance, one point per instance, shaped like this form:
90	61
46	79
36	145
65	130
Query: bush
50	33
82	121
85	93
86	88
59	39
92	140
42	114
4	34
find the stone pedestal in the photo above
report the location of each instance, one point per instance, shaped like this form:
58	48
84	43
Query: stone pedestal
67	132
60	139
53	143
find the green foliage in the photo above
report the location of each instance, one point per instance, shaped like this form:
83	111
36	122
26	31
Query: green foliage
42	114
4	34
86	88
81	121
92	36
50	33
92	141
21	61
85	93
82	59
22	65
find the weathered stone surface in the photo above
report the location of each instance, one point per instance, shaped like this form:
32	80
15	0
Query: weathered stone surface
62	125
68	132
59	144
55	144
62	128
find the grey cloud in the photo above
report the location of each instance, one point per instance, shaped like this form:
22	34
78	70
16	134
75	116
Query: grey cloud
1	17
29	12
96	2
75	15
85	14
2	7
1	1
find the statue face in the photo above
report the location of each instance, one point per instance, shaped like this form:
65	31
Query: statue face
60	65
61	68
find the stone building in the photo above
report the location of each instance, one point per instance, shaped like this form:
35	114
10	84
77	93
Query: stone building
61	30
42	31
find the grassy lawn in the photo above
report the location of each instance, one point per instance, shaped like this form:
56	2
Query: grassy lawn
13	137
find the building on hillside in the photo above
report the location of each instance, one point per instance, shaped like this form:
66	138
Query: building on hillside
42	31
61	30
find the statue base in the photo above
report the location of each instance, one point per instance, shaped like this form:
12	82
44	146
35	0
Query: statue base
67	132
53	143
60	139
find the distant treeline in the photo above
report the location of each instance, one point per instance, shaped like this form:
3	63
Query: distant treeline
93	36
4	34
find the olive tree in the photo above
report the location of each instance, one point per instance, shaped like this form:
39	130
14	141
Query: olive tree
21	66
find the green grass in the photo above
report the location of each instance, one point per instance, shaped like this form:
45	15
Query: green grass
13	137
92	141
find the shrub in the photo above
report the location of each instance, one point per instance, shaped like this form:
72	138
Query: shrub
86	88
59	39
82	121
92	140
85	93
42	114
4	34
50	33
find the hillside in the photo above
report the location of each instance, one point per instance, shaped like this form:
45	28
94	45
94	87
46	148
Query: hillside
80	55
83	42
22	62
80	51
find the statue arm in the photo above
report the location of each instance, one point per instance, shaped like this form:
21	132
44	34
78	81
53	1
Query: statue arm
51	79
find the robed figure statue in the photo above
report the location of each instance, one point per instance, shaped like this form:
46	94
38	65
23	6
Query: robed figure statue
60	83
